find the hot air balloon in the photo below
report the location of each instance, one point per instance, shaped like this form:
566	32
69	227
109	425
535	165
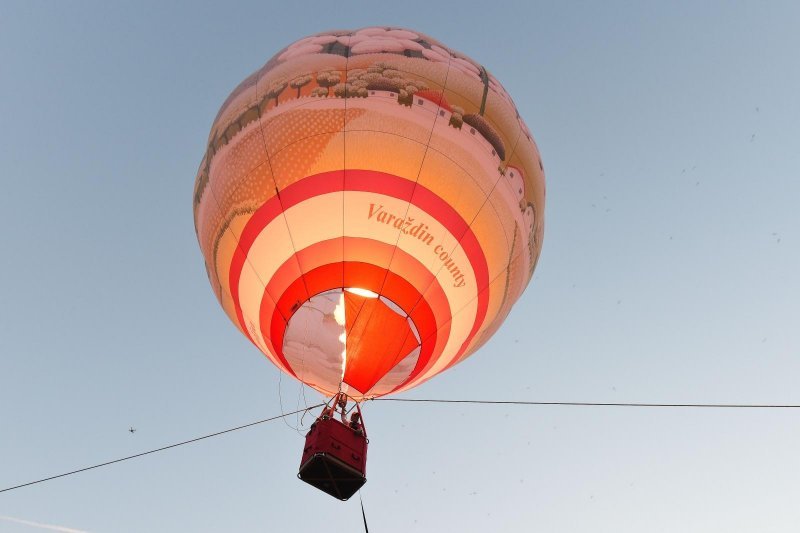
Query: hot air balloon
369	208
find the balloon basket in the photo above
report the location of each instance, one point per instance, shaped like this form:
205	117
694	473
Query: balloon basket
334	458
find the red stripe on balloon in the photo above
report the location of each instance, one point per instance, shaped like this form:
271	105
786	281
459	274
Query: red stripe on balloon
423	318
360	251
427	313
366	181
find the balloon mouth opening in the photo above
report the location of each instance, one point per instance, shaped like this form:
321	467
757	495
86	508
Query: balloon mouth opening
351	339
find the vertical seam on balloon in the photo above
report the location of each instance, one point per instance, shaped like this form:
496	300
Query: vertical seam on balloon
344	152
236	301
235	238
398	359
416	182
344	179
489	193
474	218
478	291
417	380
508	269
399	356
213	256
277	192
239	247
246	331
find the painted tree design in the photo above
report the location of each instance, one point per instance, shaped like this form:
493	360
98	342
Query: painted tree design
350	90
384	77
329	78
299	82
275	90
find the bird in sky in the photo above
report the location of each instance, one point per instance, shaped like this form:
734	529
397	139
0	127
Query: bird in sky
132	430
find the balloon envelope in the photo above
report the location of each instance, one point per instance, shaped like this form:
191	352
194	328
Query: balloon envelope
369	208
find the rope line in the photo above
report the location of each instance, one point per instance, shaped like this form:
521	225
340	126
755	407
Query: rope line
597	404
363	514
418	400
159	449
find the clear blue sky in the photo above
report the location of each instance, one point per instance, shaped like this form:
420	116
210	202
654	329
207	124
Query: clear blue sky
670	138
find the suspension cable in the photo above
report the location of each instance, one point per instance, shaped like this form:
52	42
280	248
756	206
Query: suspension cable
598	404
159	449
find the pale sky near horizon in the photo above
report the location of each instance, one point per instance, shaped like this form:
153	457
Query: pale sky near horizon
670	136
